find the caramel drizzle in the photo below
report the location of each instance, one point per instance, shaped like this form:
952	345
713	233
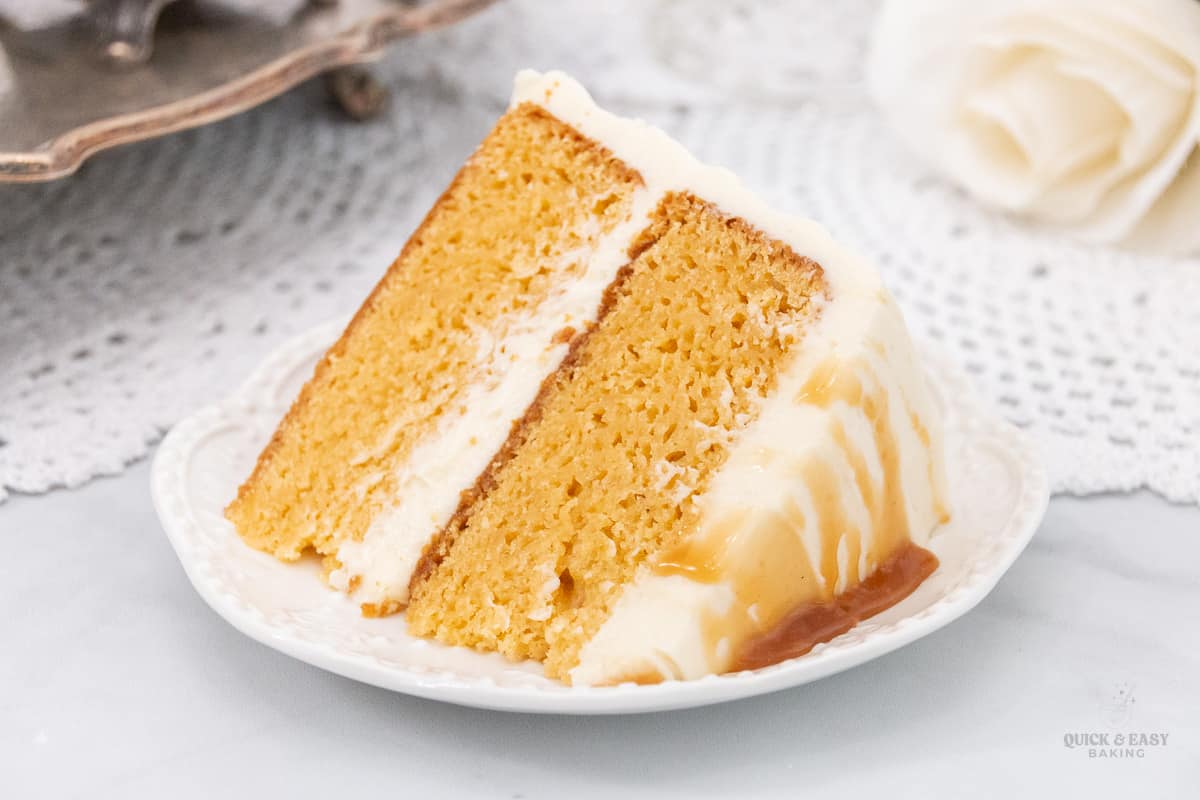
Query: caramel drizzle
761	554
835	382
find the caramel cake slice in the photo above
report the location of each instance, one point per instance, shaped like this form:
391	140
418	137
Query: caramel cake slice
610	412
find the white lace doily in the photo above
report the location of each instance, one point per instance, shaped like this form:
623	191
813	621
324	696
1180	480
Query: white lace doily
131	292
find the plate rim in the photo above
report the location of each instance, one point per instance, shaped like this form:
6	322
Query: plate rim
976	419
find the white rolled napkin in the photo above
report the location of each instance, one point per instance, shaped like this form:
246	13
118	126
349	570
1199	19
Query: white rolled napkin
1080	113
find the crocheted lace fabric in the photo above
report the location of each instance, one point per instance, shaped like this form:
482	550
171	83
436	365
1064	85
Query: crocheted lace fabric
155	279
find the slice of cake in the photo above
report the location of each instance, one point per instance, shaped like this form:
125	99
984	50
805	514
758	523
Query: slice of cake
610	412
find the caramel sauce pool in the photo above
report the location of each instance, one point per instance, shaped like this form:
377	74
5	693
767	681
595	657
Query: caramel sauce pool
809	625
785	604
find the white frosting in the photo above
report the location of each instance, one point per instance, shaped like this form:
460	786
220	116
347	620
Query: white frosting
657	623
513	360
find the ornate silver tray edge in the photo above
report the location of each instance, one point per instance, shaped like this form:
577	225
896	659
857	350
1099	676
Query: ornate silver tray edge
63	155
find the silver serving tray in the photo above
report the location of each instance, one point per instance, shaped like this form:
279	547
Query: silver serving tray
64	97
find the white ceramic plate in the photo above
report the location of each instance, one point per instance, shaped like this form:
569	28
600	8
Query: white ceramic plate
998	491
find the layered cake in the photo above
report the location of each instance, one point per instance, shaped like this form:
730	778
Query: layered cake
610	412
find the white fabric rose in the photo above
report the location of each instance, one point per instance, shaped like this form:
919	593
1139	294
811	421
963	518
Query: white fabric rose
1083	113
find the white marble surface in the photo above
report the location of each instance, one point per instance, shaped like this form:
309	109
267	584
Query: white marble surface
117	681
